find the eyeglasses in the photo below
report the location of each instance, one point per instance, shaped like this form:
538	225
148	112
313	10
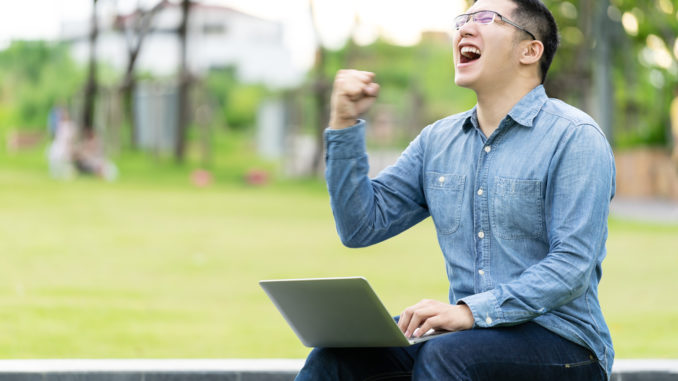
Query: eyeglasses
484	18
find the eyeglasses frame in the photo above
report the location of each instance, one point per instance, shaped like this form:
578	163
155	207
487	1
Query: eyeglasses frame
469	16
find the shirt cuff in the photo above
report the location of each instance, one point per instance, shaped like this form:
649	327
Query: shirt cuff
485	309
347	143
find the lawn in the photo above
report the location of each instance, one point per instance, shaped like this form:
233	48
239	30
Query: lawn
161	269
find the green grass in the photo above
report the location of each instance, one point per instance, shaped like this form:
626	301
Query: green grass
639	289
160	269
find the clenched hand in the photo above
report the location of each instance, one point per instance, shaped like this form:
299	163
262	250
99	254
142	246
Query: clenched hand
353	93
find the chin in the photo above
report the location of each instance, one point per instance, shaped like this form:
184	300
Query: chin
463	81
460	83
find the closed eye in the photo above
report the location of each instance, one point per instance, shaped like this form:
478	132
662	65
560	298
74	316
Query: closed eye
484	19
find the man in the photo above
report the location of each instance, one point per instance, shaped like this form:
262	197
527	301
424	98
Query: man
519	189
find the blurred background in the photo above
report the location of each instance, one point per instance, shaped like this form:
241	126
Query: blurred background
158	158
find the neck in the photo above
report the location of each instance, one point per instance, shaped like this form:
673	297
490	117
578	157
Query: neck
495	104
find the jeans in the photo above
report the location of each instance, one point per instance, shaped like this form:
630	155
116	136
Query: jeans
522	352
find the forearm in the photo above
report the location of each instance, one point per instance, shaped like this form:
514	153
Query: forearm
542	288
369	211
347	182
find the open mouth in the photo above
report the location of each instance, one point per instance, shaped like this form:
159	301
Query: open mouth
468	54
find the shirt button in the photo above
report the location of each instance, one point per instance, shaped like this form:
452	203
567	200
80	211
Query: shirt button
488	320
481	272
481	235
480	192
488	149
441	179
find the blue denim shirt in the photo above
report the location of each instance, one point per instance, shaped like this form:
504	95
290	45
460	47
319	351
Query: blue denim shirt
521	216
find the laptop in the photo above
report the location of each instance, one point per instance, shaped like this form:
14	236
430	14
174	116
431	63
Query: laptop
337	312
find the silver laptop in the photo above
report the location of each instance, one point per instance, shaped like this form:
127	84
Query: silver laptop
337	312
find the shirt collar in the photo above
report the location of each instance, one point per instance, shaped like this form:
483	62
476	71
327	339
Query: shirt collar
522	113
527	108
470	119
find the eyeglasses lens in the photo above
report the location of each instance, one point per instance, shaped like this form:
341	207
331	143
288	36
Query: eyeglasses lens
479	17
483	17
460	21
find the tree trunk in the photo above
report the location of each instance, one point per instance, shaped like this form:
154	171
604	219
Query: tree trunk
140	29
602	86
321	93
126	95
322	115
184	85
91	87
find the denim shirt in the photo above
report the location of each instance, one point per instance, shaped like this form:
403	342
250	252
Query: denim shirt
521	216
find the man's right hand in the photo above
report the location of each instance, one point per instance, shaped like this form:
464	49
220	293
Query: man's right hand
353	94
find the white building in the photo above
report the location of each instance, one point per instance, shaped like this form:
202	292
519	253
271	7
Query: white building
217	37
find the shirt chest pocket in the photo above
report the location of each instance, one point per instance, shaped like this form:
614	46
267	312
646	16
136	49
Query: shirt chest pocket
444	194
517	209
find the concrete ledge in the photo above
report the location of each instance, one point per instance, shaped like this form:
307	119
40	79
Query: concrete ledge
644	370
150	370
239	370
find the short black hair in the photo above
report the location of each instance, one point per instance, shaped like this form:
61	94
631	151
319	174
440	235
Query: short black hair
535	17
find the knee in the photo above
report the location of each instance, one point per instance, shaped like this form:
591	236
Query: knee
438	360
321	364
325	356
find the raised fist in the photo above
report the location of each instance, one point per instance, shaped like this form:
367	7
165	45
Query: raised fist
353	93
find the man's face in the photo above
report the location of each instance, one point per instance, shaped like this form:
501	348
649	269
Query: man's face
485	56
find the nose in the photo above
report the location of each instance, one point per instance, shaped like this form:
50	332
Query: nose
468	29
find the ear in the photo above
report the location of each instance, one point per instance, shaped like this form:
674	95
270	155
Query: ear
531	52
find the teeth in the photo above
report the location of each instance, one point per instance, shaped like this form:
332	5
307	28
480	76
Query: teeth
470	51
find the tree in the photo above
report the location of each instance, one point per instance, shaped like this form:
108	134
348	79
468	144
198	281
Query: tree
648	71
184	83
34	77
615	61
321	93
602	85
135	29
91	86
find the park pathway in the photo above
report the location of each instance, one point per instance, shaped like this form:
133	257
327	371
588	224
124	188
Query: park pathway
645	210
